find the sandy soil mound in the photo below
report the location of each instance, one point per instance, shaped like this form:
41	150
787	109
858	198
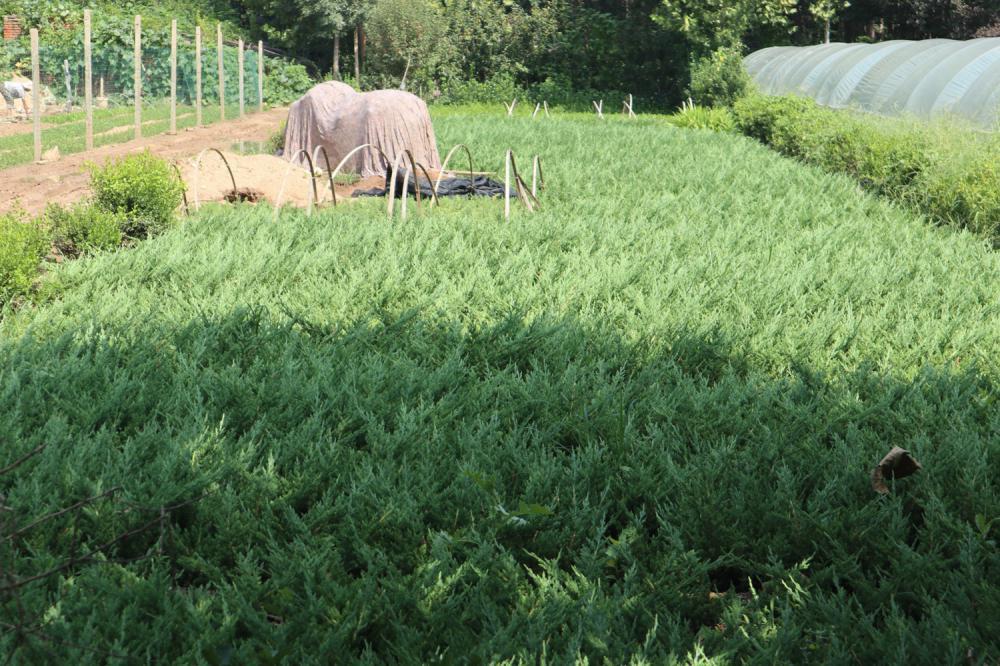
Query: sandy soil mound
261	175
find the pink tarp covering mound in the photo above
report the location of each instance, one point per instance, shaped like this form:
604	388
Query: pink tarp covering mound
333	115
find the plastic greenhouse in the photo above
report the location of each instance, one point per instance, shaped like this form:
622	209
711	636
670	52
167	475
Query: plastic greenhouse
922	79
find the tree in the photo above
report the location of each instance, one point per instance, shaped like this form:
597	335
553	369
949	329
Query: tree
709	25
408	37
825	11
327	16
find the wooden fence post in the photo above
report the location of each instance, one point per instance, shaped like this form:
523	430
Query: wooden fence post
239	63
137	77
88	81
173	76
36	93
222	77
260	76
197	76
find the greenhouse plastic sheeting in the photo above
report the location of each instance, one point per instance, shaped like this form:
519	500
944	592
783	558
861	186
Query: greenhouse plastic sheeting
922	79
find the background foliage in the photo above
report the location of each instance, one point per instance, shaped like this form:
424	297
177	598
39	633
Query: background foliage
575	48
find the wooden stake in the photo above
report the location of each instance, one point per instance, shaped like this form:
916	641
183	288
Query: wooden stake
197	76
239	63
260	76
88	81
222	76
36	90
173	76
137	77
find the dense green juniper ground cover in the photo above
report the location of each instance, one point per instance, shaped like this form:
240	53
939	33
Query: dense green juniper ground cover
634	427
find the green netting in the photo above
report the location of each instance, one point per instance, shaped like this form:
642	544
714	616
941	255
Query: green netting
923	79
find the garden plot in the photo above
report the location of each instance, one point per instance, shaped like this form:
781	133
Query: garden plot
637	426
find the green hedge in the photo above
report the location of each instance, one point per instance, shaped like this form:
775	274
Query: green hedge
945	170
135	197
23	244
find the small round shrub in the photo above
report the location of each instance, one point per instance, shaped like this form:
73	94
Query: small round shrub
700	117
285	81
84	228
142	188
719	79
23	245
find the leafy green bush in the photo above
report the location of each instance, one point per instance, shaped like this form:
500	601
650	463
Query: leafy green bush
717	119
277	140
284	81
719	79
142	188
84	228
23	245
560	91
499	88
946	170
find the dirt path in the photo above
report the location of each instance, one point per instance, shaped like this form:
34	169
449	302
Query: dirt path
34	186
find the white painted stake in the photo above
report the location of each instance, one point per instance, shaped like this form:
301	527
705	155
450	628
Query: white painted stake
534	176
510	107
88	82
599	107
627	107
137	76
535	113
36	90
545	105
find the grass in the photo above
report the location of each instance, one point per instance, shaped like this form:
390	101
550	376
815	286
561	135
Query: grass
111	126
635	427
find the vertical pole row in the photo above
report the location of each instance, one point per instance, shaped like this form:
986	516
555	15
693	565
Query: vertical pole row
197	76
88	81
260	76
222	76
137	77
36	94
239	63
173	76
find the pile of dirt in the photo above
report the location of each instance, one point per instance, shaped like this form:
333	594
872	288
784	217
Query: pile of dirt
262	175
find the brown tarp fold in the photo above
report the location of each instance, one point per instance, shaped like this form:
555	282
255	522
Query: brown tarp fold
337	117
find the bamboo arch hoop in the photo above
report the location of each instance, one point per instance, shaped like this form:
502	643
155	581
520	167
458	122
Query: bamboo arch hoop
447	159
340	166
197	174
527	197
184	193
537	177
284	182
326	158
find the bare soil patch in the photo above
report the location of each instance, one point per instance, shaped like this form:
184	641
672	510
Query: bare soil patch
260	178
33	186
